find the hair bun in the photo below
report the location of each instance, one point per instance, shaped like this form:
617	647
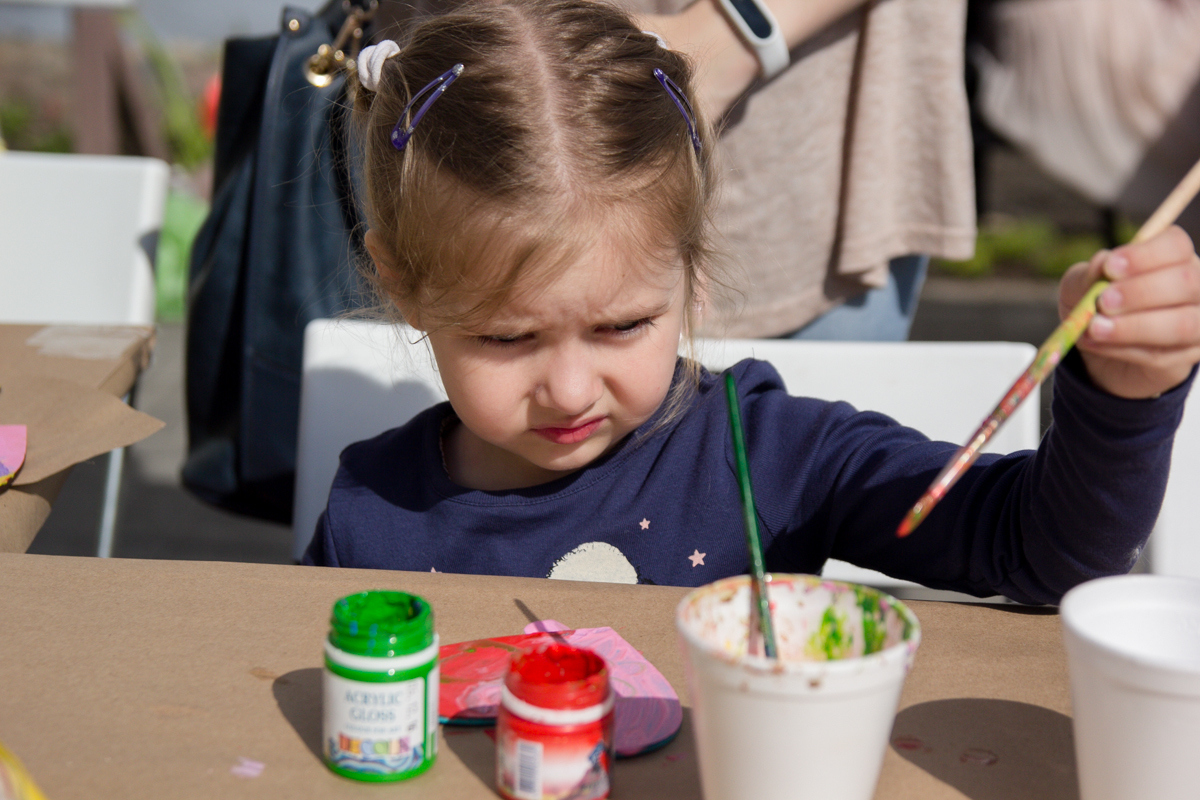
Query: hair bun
370	62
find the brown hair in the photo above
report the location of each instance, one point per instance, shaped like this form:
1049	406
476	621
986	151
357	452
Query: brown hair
556	119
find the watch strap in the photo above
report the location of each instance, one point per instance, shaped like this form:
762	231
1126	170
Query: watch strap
757	27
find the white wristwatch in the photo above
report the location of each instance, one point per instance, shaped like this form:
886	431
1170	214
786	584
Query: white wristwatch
757	27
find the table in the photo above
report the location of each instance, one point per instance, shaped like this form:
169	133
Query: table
62	375
152	679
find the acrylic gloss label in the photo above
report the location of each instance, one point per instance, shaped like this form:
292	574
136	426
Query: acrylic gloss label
376	728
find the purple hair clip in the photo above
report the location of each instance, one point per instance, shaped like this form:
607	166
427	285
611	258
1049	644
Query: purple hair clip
402	133
681	102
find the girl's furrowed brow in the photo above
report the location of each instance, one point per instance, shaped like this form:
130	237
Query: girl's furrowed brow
636	312
524	323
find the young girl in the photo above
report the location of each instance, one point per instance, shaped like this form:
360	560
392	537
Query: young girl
537	188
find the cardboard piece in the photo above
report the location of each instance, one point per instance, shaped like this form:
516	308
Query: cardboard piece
68	423
62	381
23	509
153	679
77	364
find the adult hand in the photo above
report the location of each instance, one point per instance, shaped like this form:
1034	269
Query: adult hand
1145	337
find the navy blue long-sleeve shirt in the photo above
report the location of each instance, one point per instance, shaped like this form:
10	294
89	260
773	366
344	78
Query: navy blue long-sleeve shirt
829	482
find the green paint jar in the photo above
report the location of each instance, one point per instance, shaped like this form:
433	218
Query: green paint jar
380	687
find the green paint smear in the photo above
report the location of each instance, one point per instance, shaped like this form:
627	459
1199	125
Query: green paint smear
832	640
874	620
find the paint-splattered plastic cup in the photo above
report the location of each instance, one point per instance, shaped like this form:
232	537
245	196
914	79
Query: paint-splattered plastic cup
814	724
1133	650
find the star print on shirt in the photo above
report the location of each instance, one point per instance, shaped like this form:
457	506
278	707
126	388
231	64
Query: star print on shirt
697	558
431	569
645	523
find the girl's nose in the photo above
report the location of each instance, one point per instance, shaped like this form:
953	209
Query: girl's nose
571	383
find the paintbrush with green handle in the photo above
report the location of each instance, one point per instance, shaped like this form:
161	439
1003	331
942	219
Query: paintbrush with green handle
1048	356
760	626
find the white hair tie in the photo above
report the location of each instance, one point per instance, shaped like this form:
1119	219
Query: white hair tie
661	41
370	62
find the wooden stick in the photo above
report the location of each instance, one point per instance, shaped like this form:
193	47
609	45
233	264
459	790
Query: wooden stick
1048	356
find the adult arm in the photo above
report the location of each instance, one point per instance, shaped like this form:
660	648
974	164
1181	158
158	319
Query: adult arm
727	66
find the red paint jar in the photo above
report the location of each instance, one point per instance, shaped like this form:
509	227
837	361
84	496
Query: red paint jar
554	730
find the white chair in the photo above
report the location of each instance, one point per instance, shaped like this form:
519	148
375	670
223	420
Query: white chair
1175	543
77	241
361	378
358	379
943	389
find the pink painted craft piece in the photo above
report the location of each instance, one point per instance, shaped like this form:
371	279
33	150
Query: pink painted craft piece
13	440
546	626
648	712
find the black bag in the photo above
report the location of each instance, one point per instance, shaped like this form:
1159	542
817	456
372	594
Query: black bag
277	250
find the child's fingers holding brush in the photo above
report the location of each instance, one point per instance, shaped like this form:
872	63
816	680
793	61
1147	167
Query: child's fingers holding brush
1077	280
1145	337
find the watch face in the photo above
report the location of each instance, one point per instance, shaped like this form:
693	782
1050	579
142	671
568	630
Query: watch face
749	11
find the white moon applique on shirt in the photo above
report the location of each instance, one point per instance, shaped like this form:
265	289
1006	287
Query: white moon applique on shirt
594	561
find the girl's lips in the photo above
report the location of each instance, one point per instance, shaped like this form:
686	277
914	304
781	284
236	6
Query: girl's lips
569	435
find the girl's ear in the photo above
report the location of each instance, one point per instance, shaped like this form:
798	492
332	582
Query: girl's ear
383	265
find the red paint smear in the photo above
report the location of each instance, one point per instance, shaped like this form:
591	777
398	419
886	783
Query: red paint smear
910	743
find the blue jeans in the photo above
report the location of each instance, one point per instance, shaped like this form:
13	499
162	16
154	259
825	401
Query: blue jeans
880	315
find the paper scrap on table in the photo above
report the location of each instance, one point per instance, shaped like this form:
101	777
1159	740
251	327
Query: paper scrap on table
67	423
247	768
12	451
92	342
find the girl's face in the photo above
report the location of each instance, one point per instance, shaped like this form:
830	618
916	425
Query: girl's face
561	374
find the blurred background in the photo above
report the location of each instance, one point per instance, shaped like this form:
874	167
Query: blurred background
1031	229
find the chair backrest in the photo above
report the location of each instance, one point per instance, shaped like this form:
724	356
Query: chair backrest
77	237
943	389
1175	544
361	378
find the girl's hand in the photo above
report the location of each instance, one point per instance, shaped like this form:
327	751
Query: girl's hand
1145	336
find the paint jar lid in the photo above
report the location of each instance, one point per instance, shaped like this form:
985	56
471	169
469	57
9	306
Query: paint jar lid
558	676
381	623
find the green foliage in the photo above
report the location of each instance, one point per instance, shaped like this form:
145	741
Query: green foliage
21	131
1033	246
189	146
181	221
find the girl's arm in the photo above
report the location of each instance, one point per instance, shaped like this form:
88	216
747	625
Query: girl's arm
1080	507
726	65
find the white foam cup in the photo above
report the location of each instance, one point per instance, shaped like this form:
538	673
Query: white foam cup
814	724
1133	650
